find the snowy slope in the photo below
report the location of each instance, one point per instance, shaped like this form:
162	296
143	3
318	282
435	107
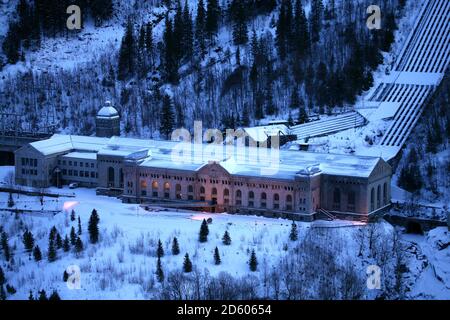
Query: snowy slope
123	264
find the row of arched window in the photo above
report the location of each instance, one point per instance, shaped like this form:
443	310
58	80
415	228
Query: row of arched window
214	195
378	198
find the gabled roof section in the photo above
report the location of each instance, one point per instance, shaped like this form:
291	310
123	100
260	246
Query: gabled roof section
381	169
67	143
214	165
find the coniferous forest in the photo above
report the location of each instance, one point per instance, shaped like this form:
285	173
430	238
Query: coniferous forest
226	63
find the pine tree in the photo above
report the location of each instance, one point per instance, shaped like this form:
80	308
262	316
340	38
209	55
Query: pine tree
149	38
212	18
177	34
226	239
200	33
160	250
253	262
281	32
302	115
79	232
295	100
175	247
10	200
289	24
78	245
93	226
240	31
187	264
72	215
127	54
170	61
300	30
59	242
188	32
410	175
53	233
238	56
37	254
65	276
5	246
294	233
66	244
30	296
10	289
316	18
159	271
42	295
2	277
11	43
204	231
217	260
73	236
101	10
28	241
290	119
54	296
167	117
51	251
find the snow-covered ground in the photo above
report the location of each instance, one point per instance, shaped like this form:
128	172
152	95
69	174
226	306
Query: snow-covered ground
430	264
111	270
122	265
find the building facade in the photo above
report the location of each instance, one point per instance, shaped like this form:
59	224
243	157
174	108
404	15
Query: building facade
305	185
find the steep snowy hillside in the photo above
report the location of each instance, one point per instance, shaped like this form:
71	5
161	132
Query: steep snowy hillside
261	60
123	264
425	162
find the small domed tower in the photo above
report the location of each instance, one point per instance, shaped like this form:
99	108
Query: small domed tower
107	121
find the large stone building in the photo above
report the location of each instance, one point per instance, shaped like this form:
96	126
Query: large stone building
212	177
291	184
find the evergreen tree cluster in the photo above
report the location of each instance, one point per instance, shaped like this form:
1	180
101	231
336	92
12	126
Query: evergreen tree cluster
46	18
10	290
420	168
42	296
410	177
4	245
316	61
329	82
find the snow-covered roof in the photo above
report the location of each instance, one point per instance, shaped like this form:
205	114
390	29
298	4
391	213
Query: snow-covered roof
108	111
247	161
237	160
386	110
65	143
82	155
261	134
